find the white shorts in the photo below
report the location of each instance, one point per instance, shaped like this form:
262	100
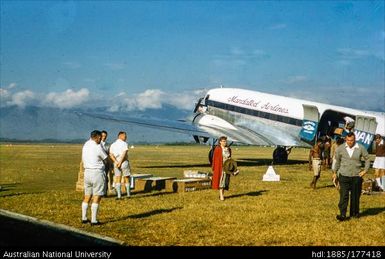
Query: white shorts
379	162
94	182
316	167
124	169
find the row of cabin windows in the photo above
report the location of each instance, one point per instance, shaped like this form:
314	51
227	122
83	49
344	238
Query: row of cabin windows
261	114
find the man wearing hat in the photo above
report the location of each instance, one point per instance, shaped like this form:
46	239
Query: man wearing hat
223	166
349	126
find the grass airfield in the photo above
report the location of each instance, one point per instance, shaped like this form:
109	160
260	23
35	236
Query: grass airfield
39	181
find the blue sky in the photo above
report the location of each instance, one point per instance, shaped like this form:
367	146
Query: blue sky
138	55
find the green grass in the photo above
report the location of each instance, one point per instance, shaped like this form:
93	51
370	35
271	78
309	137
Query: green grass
39	181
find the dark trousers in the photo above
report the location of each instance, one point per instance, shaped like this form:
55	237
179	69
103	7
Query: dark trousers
352	185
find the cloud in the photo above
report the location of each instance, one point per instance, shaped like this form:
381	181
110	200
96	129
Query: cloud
67	99
5	96
278	26
239	57
21	99
349	53
347	56
115	66
150	99
155	99
295	79
72	65
11	85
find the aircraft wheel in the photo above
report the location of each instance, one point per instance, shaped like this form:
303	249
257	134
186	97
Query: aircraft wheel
211	154
280	155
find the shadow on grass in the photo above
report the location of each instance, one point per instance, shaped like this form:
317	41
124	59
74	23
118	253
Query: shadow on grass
241	162
145	214
8	186
140	194
151	193
326	186
265	161
177	166
372	211
18	194
253	194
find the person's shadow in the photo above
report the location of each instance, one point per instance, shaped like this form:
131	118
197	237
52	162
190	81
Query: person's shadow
254	194
372	211
145	214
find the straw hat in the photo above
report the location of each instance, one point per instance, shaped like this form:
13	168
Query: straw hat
230	166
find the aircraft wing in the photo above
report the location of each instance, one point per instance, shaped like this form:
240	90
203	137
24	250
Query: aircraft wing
183	127
209	126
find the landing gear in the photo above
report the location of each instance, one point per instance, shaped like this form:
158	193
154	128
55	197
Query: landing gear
281	154
211	154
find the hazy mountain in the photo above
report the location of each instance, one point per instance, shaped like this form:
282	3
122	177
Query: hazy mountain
42	123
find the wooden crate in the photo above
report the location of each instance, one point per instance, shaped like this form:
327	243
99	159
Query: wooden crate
190	185
154	183
135	177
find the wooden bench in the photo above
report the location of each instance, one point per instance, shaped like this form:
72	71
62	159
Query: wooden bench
154	183
135	177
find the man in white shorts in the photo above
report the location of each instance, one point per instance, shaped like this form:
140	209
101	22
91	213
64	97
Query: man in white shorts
94	159
379	162
108	167
119	156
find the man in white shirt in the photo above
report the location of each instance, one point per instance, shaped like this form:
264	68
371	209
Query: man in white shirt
348	166
109	168
119	156
94	159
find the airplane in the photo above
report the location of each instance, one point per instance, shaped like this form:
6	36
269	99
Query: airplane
256	118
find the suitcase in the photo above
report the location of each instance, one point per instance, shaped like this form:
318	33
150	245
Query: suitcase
369	186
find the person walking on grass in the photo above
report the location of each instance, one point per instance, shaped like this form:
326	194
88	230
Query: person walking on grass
315	160
348	167
379	162
94	160
339	141
119	156
221	179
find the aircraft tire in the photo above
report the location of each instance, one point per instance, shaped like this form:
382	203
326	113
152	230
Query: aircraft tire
211	154
280	155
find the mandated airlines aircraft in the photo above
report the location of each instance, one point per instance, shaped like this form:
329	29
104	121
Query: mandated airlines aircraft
257	118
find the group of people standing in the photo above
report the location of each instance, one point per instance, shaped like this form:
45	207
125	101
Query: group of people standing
98	160
346	156
102	166
322	155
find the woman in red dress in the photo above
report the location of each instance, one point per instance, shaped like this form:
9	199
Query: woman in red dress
220	180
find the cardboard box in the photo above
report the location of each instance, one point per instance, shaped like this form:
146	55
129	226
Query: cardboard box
191	184
154	183
196	174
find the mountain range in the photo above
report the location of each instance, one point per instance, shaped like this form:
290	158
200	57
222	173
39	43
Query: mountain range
33	123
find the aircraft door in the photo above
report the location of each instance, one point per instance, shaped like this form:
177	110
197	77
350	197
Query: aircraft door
310	123
365	129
